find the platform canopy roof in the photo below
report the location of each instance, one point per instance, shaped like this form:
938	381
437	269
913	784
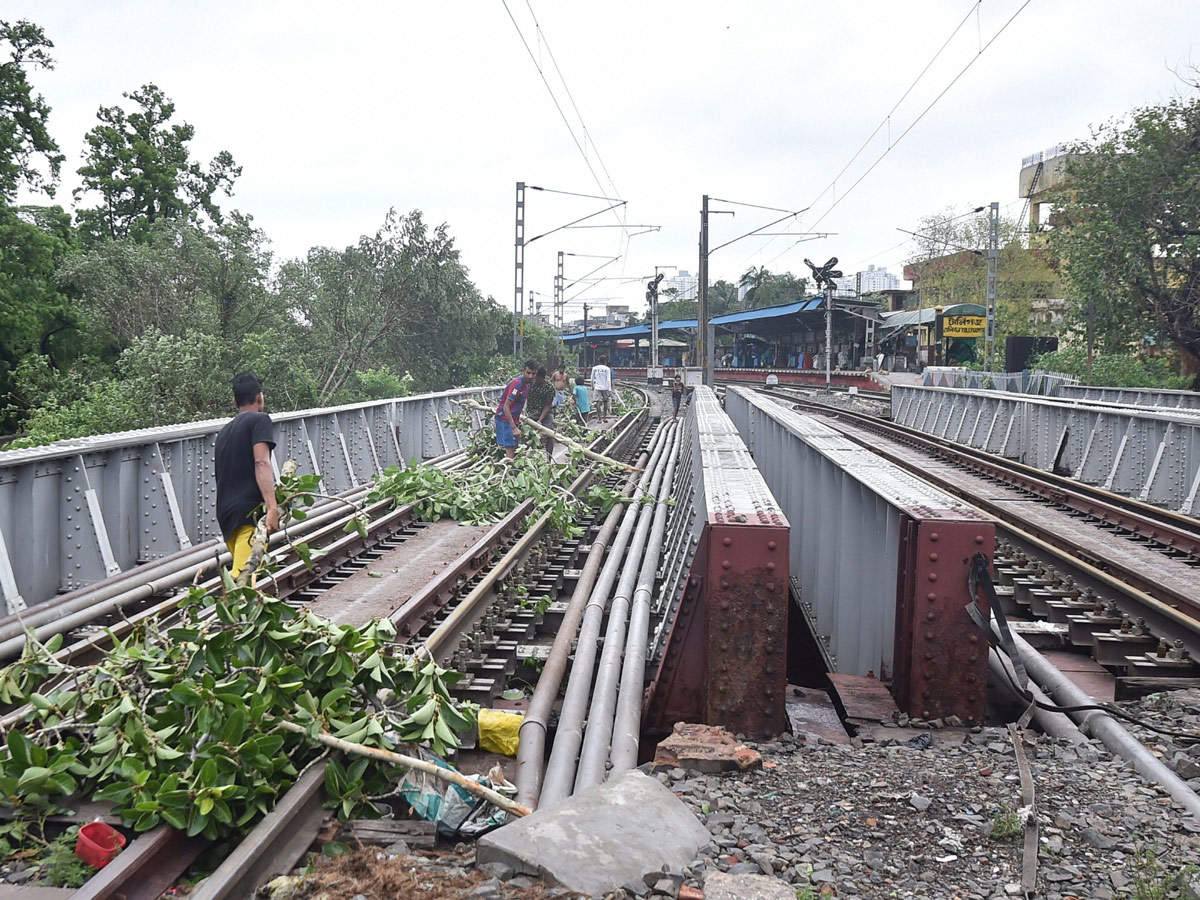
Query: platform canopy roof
768	320
631	331
903	318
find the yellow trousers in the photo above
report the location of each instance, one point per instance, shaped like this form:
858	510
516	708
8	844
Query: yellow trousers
239	546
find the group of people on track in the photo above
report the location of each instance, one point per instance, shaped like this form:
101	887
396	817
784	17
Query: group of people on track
544	395
246	477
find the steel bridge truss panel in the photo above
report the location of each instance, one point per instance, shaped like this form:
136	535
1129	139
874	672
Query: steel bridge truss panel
1163	399
78	511
881	558
725	654
1150	454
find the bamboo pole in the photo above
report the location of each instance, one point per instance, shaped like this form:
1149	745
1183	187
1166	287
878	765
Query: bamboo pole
558	436
412	762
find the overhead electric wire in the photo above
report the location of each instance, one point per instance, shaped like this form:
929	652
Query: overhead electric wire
892	145
923	112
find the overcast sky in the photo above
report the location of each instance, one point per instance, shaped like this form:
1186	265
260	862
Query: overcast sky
338	112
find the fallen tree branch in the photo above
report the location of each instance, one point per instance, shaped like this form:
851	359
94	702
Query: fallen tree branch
412	762
258	543
558	436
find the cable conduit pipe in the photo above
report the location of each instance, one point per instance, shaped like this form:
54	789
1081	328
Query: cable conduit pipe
560	768
1103	726
531	746
1058	725
627	723
598	732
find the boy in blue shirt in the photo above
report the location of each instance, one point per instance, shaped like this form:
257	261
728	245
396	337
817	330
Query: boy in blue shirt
582	404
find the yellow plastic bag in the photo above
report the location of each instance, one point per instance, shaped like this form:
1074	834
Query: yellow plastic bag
498	731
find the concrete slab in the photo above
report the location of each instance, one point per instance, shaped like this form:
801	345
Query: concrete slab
705	748
862	698
813	717
723	886
602	838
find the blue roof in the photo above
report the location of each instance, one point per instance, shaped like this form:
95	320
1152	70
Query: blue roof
809	304
630	331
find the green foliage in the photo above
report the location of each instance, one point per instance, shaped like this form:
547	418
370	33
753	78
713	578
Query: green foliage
1155	880
161	380
381	383
489	487
387	301
1114	369
177	723
1128	235
1006	824
61	867
36	319
23	114
766	288
139	164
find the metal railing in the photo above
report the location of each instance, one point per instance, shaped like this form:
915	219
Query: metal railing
1150	454
75	512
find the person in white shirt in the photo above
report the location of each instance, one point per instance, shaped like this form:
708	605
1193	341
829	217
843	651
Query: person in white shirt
601	387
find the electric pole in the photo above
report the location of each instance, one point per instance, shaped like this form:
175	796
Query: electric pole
584	359
993	261
519	273
703	348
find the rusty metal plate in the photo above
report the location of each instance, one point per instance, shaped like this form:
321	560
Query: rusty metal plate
941	655
862	698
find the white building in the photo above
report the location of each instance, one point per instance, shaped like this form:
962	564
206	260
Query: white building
868	282
684	283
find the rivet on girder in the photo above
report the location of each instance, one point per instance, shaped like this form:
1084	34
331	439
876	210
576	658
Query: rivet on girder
934	536
727	541
931	597
725	564
933	557
770	567
770	545
933	576
930	616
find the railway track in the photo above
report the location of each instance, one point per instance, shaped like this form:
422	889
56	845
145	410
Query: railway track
1106	560
491	610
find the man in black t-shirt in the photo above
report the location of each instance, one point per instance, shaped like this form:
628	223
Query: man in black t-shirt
245	478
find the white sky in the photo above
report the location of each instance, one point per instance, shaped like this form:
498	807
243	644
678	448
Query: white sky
339	111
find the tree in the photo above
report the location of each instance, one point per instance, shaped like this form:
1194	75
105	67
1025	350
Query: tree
387	301
140	166
765	288
23	133
950	262
1128	229
35	317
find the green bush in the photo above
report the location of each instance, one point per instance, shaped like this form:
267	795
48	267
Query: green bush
1115	369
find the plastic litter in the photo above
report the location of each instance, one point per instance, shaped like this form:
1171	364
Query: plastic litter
98	843
499	731
457	812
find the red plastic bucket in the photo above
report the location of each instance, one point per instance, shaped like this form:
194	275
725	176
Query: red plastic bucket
98	844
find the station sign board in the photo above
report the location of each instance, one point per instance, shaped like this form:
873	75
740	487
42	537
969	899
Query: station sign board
963	326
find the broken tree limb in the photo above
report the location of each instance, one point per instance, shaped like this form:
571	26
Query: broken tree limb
558	436
412	762
258	543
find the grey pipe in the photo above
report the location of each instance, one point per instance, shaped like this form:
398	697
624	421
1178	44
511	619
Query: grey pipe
531	746
1055	724
596	738
560	769
627	723
1103	726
